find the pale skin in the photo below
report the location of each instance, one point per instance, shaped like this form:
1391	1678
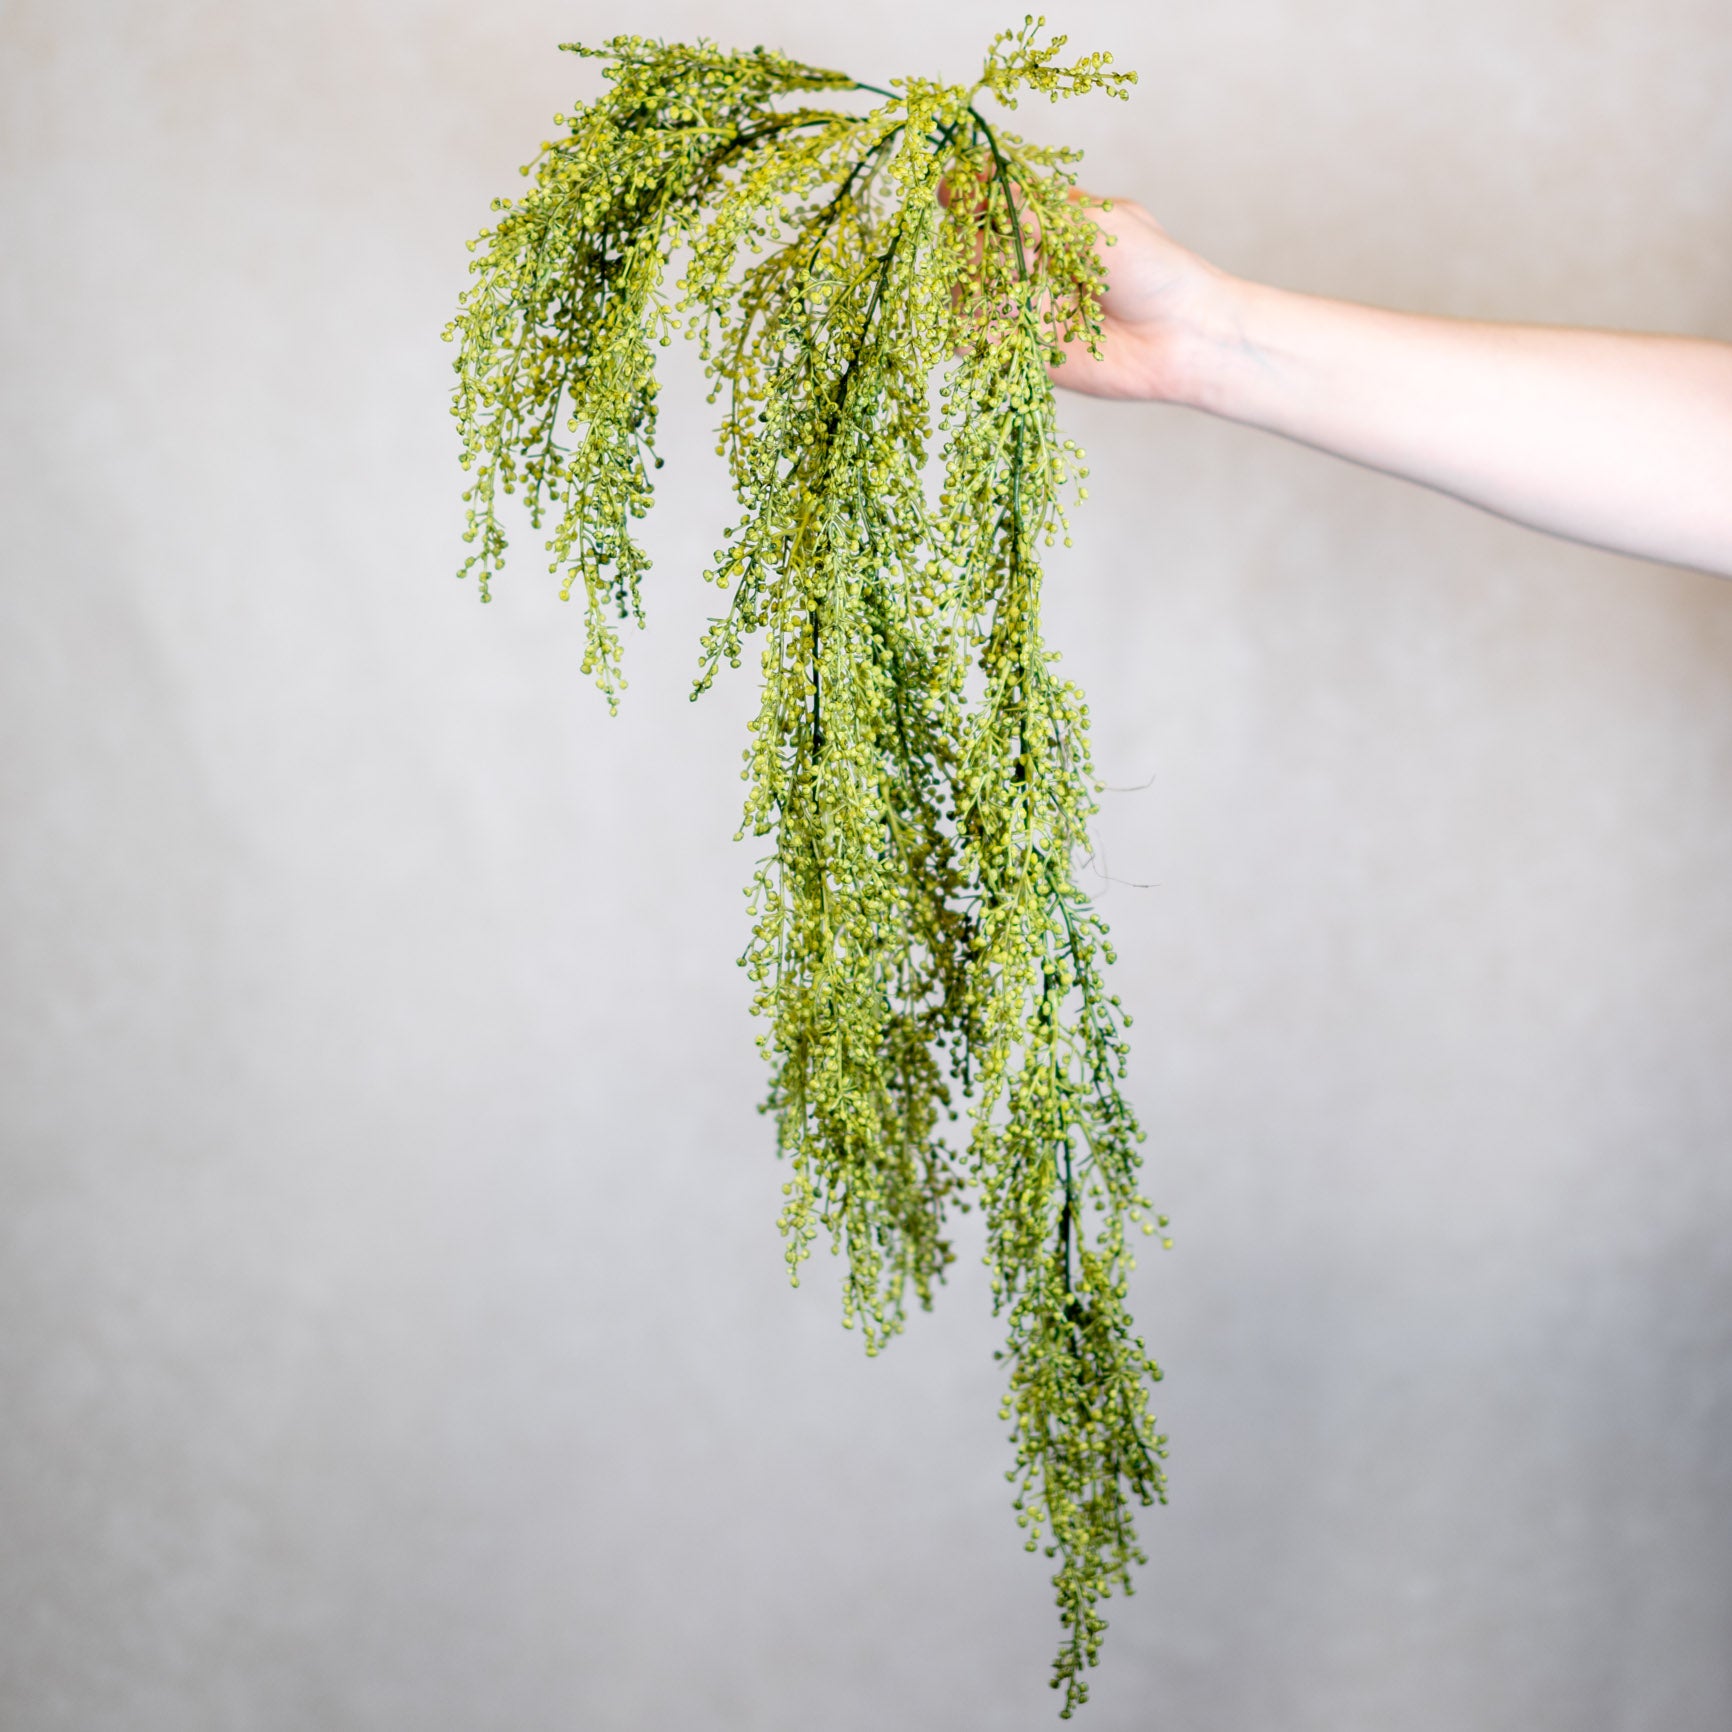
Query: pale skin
1621	440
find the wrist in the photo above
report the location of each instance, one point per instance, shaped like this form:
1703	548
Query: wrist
1212	342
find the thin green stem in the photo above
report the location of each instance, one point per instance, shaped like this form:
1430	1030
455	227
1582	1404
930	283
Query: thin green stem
1001	174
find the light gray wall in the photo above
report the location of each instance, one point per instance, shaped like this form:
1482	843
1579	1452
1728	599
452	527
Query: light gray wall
393	1331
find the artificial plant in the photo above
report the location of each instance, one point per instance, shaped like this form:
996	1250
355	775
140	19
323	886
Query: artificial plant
921	770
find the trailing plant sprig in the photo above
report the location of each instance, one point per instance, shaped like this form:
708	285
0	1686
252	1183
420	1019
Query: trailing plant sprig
920	950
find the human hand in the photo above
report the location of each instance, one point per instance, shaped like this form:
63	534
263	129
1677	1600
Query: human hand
1161	304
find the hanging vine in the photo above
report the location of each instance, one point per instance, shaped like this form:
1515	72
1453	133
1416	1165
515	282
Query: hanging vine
920	951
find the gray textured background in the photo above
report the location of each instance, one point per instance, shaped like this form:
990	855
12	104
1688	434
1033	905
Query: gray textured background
393	1331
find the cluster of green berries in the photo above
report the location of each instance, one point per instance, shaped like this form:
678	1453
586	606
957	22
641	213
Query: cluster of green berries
920	950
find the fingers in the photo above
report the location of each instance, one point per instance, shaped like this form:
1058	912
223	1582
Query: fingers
977	197
947	192
1027	218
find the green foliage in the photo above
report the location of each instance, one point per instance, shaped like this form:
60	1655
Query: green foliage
923	772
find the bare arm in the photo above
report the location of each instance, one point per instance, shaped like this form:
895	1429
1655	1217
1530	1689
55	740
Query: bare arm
1618	439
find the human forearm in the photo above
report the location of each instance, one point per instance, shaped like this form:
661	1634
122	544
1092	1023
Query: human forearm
1621	440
